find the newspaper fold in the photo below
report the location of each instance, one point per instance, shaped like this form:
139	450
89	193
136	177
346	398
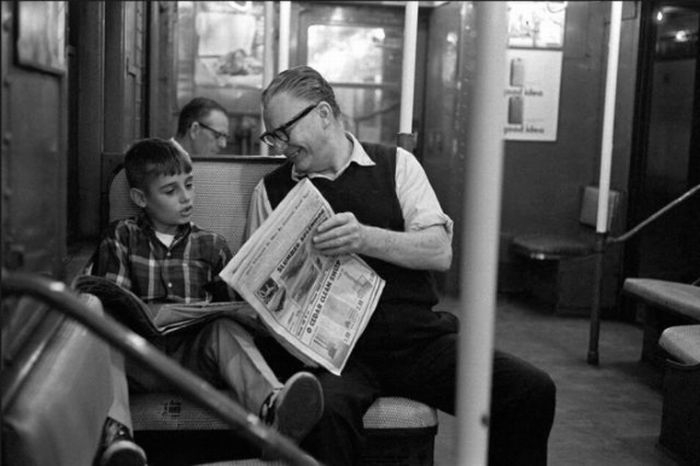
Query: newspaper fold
151	320
316	306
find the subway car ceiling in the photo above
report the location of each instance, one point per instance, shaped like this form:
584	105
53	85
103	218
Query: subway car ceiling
120	71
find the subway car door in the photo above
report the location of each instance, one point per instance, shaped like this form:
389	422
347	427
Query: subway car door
667	145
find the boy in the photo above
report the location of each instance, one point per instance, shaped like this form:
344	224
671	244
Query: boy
162	256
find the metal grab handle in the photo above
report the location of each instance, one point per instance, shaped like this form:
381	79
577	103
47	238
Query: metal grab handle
58	295
624	237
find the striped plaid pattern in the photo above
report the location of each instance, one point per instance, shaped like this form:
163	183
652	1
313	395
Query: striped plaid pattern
132	256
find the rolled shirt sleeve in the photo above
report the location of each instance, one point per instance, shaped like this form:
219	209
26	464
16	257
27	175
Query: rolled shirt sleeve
419	204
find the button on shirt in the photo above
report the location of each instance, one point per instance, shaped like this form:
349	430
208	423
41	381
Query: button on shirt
133	257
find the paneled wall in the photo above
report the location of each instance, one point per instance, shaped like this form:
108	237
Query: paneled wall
52	176
33	160
542	180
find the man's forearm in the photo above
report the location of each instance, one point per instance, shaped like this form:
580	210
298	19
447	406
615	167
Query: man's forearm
427	249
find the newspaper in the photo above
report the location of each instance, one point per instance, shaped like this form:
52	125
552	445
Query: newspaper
155	319
316	306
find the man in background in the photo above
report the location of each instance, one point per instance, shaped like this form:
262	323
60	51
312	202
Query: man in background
202	128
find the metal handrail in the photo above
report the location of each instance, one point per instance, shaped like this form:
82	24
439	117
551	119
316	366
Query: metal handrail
629	234
602	240
249	426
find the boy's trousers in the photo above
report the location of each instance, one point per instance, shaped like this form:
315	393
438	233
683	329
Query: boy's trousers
222	352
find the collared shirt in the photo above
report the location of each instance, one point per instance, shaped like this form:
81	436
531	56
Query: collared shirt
419	204
181	149
133	257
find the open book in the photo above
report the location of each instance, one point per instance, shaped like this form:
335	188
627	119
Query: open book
316	306
150	320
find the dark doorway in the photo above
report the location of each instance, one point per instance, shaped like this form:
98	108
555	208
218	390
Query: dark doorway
666	146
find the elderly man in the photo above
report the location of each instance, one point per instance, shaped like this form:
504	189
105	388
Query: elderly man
387	212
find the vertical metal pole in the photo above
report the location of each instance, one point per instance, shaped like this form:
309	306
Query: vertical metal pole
268	61
481	214
406	138
269	39
609	117
285	17
604	180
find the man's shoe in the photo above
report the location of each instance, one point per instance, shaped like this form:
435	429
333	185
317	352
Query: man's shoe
119	448
296	408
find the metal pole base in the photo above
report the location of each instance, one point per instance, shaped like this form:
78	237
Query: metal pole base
595	305
593	358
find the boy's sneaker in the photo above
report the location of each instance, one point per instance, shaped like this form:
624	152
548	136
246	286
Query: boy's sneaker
296	408
119	448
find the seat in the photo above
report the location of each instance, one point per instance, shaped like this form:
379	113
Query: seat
664	304
680	418
558	268
56	377
55	387
682	343
400	431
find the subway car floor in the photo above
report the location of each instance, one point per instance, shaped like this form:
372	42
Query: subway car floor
605	415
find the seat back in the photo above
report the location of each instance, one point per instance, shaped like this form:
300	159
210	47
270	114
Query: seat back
223	191
400	431
589	207
56	395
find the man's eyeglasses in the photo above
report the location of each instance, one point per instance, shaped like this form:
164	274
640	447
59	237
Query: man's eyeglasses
281	133
217	134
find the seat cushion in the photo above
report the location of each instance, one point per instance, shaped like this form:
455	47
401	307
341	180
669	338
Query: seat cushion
678	297
169	411
551	247
399	413
399	432
682	342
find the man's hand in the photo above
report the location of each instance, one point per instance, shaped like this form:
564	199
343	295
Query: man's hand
426	249
340	234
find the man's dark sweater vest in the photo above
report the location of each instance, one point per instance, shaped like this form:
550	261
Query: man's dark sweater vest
404	314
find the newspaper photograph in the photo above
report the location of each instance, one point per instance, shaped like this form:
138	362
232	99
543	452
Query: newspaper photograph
316	306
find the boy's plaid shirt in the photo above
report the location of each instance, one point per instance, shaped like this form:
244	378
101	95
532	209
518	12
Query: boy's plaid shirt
133	257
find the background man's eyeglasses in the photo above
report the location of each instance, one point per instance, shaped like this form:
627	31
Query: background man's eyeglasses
217	134
281	133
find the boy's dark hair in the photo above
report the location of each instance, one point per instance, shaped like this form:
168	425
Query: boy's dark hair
149	158
195	110
303	82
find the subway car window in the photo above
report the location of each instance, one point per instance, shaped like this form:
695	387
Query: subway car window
363	64
359	48
220	56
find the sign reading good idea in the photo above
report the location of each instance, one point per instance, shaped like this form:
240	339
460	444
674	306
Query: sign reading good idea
532	94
